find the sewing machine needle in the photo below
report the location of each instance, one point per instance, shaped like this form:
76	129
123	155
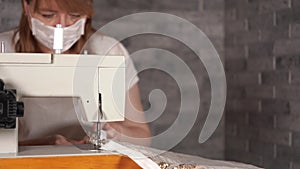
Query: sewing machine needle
98	142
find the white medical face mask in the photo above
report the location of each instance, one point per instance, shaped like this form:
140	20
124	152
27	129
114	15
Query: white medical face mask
45	33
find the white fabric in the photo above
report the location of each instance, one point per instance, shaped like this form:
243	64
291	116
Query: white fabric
136	156
175	159
47	116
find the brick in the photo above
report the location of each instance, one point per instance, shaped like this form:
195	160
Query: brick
296	139
235	26
235	143
273	163
260	120
287	62
247	132
239	118
286	16
242	78
295	165
235	52
134	4
106	3
230	15
290	122
192	5
289	92
273	5
295	30
274	33
235	92
212	30
243	38
229	4
259	92
275	77
245	105
244	157
261	49
275	136
295	77
248	10
105	15
295	3
200	17
263	21
295	107
286	47
232	65
288	153
261	148
274	106
260	64
146	41
213	5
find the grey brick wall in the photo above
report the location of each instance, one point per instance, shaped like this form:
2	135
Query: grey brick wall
262	65
208	15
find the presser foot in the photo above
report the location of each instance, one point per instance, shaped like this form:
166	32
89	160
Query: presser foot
98	144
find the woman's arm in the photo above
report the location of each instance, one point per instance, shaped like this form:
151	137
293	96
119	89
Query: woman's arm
134	128
50	140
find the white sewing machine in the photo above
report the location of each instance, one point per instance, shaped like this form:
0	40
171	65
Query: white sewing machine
87	77
99	82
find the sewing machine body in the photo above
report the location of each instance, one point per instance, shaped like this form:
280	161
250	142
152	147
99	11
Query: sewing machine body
65	75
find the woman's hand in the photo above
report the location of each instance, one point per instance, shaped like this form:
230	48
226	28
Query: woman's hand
61	140
113	130
127	131
133	129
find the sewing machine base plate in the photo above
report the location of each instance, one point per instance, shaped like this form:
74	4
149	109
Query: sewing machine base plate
65	157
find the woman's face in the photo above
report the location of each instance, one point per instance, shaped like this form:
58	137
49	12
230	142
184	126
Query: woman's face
50	14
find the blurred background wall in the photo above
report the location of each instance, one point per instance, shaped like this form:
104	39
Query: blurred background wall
262	68
208	15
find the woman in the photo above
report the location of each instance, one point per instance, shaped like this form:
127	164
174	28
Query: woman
52	120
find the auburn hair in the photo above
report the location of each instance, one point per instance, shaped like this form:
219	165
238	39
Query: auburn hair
27	43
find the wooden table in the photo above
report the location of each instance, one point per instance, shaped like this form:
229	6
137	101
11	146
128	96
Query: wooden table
64	157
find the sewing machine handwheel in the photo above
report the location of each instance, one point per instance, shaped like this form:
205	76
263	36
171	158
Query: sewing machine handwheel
10	108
